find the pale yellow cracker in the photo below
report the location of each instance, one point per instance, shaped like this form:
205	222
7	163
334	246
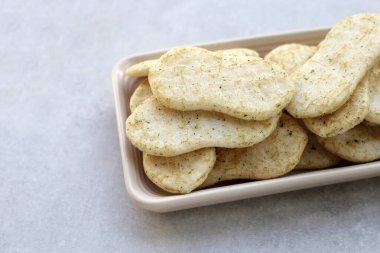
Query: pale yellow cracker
180	174
328	79
273	157
190	78
291	56
161	131
177	174
141	68
315	156
374	87
348	116
238	52
142	93
359	144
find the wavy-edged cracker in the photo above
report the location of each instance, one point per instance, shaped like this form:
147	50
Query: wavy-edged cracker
142	93
315	156
180	174
273	157
249	88
373	115
328	79
238	52
142	68
348	116
160	131
359	144
291	56
177	174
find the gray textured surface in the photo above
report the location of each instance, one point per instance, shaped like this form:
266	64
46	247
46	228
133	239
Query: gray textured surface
61	184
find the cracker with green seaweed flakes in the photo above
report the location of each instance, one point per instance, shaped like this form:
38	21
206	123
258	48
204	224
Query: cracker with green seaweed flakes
273	157
360	144
180	174
328	79
315	156
238	52
245	87
142	93
160	131
142	68
291	56
348	116
176	174
373	115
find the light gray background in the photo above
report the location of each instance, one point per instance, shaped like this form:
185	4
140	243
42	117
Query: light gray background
61	182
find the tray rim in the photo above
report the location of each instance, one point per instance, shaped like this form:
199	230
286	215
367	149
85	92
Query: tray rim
309	179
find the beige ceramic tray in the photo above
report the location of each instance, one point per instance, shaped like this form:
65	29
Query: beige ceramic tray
148	196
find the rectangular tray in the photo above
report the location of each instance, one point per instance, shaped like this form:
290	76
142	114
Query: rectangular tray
150	197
